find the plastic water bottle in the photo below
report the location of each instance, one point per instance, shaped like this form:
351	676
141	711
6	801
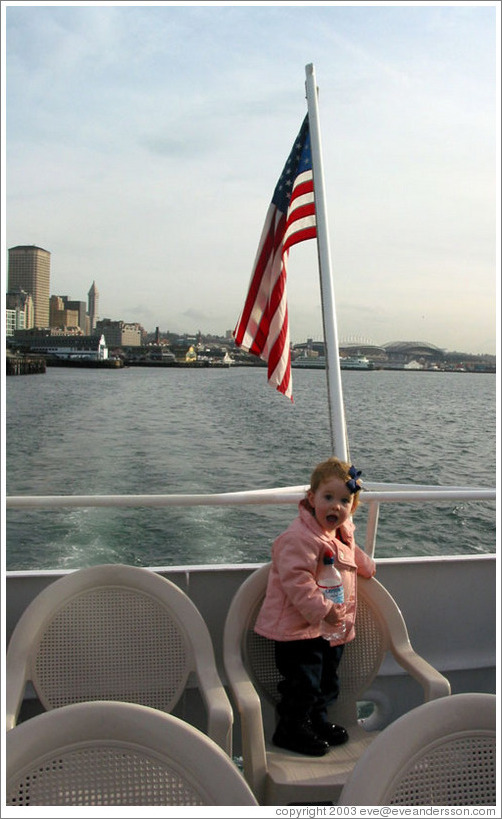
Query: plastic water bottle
330	583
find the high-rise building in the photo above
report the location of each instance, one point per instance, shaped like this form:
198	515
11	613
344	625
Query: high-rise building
78	307
21	303
30	269
93	306
65	313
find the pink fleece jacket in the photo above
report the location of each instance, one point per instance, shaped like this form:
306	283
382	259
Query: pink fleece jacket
294	606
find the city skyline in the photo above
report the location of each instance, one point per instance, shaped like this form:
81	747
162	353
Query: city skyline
94	316
155	178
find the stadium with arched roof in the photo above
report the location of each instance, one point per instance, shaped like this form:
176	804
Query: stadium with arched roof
403	352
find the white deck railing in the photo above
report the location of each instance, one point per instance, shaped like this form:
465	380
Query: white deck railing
374	495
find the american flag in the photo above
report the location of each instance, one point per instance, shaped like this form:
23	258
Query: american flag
263	327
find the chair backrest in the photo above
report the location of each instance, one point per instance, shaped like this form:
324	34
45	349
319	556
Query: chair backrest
361	658
112	632
441	753
113	753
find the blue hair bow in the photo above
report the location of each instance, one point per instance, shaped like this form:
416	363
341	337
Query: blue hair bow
352	484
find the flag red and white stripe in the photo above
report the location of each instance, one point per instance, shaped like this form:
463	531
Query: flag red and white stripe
263	327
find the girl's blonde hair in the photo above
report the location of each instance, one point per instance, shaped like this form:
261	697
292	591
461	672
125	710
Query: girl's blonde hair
335	468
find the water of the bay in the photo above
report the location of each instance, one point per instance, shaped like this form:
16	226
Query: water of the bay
170	430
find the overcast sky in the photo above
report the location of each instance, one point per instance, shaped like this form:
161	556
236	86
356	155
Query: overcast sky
144	142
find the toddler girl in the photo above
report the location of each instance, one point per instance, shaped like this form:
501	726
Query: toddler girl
295	613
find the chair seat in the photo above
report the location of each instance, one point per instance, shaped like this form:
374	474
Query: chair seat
292	777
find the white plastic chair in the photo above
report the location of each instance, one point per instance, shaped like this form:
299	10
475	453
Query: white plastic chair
114	753
280	777
115	632
441	753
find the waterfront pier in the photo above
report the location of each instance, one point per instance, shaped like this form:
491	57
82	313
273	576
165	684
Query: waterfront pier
24	365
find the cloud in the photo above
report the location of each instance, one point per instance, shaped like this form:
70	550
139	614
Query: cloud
195	315
144	142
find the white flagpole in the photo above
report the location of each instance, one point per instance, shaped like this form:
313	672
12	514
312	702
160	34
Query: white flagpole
339	441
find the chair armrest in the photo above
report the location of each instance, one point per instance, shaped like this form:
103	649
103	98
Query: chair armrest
220	715
248	705
435	685
16	676
253	739
252	735
10	718
432	681
238	620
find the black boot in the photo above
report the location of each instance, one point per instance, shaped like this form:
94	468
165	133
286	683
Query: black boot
298	735
330	732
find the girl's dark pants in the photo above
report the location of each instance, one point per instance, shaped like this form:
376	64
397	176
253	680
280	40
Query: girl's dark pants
310	683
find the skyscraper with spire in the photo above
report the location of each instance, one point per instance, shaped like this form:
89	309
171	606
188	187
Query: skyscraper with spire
93	306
